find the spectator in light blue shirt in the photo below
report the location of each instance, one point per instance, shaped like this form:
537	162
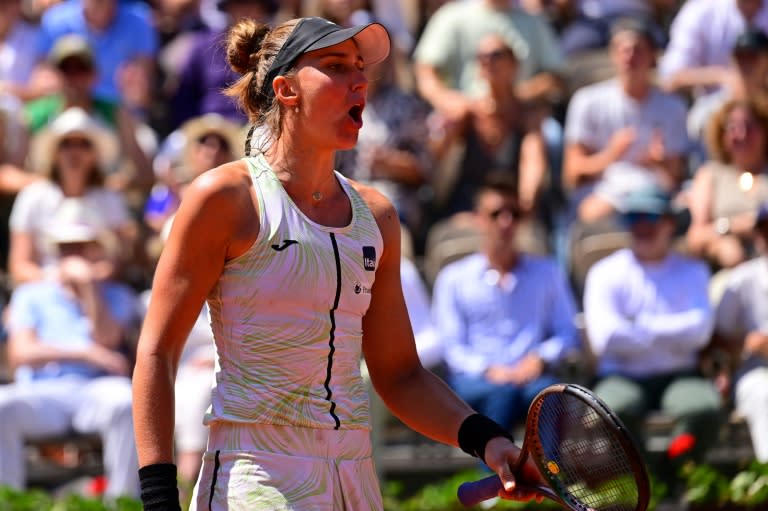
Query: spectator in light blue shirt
505	318
647	314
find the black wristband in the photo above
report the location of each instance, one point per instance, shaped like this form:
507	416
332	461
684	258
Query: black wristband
476	431
159	489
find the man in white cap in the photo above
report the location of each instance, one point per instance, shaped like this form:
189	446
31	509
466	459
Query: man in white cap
67	345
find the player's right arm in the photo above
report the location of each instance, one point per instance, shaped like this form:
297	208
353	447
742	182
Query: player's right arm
213	224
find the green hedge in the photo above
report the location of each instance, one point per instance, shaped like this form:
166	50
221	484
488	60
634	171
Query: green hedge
703	483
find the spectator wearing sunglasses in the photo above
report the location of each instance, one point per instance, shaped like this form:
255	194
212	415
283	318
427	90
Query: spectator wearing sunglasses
648	315
501	132
505	317
73	59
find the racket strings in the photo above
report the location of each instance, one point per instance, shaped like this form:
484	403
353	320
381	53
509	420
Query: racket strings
583	457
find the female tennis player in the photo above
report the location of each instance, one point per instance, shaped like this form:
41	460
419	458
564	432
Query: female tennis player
300	270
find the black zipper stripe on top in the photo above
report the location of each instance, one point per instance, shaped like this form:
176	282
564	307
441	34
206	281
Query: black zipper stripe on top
332	314
216	466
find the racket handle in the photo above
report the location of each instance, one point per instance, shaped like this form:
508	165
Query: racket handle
474	492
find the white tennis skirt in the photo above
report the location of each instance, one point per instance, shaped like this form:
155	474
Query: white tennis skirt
258	467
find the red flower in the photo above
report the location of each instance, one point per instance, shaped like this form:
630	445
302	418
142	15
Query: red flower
97	486
680	445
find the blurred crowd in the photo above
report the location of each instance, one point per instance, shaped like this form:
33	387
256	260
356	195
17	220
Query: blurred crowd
581	183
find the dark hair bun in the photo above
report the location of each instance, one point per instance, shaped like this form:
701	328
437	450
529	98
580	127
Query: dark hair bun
244	43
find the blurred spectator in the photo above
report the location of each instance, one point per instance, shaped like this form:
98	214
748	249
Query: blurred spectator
701	37
204	142
505	318
17	40
428	343
67	341
624	132
18	80
72	57
728	188
647	316
194	381
750	58
357	12
589	21
124	45
205	72
499	132
71	154
742	323
447	73
392	152
12	176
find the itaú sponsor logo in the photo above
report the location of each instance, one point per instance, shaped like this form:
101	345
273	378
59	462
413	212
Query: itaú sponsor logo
361	289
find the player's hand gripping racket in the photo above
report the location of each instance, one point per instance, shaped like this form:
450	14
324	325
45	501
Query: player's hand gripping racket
582	450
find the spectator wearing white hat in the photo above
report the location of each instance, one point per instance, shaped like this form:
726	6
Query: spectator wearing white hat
67	344
73	154
72	57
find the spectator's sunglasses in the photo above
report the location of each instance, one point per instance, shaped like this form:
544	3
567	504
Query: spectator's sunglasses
512	211
493	55
632	219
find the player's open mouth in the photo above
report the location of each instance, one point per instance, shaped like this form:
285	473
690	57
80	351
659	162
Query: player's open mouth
356	113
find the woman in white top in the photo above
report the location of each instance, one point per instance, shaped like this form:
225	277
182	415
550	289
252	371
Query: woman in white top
285	251
74	153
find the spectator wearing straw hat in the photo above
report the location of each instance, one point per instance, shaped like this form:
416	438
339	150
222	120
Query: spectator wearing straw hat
202	143
73	153
66	344
73	58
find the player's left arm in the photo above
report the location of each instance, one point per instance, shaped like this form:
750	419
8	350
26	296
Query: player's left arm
414	394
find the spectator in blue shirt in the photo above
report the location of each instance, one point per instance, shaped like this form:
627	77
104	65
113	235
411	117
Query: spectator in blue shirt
67	337
505	318
123	40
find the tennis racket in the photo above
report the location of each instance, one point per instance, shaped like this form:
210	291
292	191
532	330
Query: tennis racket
583	453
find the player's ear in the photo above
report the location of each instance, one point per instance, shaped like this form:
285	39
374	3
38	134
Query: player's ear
285	91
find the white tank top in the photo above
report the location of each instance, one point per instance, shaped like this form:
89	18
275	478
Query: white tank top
287	315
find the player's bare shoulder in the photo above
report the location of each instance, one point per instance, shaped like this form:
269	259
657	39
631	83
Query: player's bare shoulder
223	199
381	207
230	178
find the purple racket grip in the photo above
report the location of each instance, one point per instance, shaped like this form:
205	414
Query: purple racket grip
474	492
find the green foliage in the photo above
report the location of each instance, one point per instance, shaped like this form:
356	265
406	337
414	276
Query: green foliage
704	484
707	485
37	500
441	496
750	486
